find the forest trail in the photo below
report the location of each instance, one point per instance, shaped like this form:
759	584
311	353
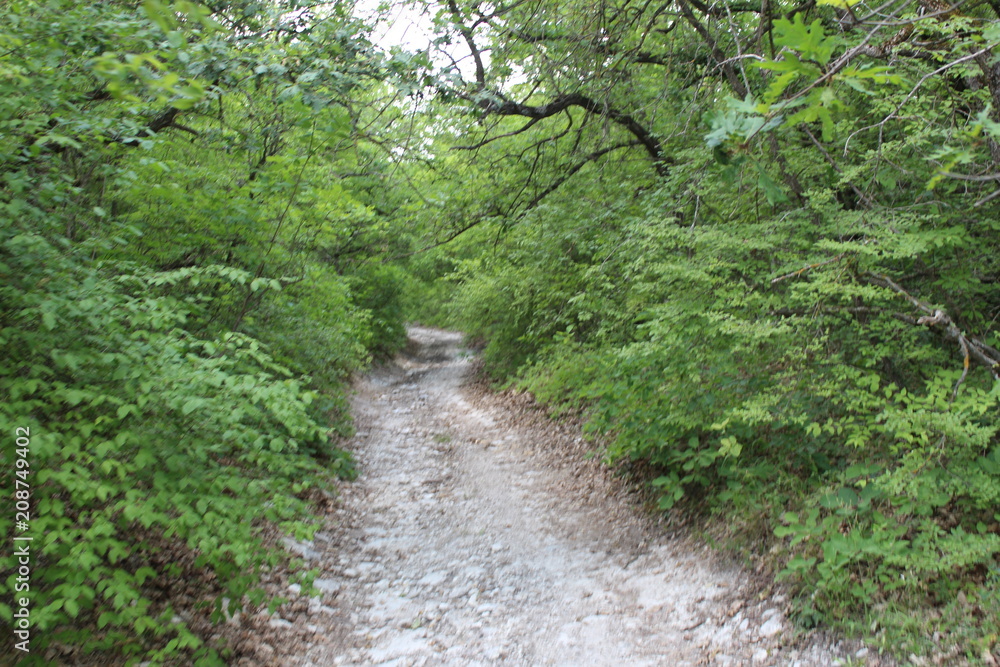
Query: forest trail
469	541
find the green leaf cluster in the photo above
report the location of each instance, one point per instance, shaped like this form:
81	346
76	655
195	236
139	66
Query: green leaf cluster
188	279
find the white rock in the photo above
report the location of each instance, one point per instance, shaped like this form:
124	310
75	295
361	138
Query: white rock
305	549
771	627
433	578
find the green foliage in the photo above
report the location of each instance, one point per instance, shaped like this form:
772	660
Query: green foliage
378	291
427	288
758	250
689	357
139	430
184	294
756	326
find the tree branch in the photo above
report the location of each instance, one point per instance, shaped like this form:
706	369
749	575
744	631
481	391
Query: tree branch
478	145
566	175
504	107
937	319
796	274
471	42
725	63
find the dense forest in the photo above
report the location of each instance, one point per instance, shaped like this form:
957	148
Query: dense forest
754	246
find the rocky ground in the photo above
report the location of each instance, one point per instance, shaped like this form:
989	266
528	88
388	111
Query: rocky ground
476	536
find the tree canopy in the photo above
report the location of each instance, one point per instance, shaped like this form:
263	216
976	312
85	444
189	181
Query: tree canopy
754	245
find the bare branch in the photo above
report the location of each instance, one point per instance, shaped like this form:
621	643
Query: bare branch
829	158
937	319
985	178
185	128
482	143
471	42
645	138
795	274
725	63
566	175
552	187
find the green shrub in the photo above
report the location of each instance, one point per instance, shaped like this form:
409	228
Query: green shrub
139	429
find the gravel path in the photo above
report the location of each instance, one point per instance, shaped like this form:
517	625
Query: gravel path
465	542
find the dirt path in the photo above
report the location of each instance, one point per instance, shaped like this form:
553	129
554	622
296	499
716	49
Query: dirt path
459	545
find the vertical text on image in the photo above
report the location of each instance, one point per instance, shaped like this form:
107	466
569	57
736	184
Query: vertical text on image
22	542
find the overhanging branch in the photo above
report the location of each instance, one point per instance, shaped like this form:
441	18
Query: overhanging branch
504	107
566	175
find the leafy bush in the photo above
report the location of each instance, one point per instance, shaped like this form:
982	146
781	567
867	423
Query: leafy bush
378	291
809	402
174	337
139	428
